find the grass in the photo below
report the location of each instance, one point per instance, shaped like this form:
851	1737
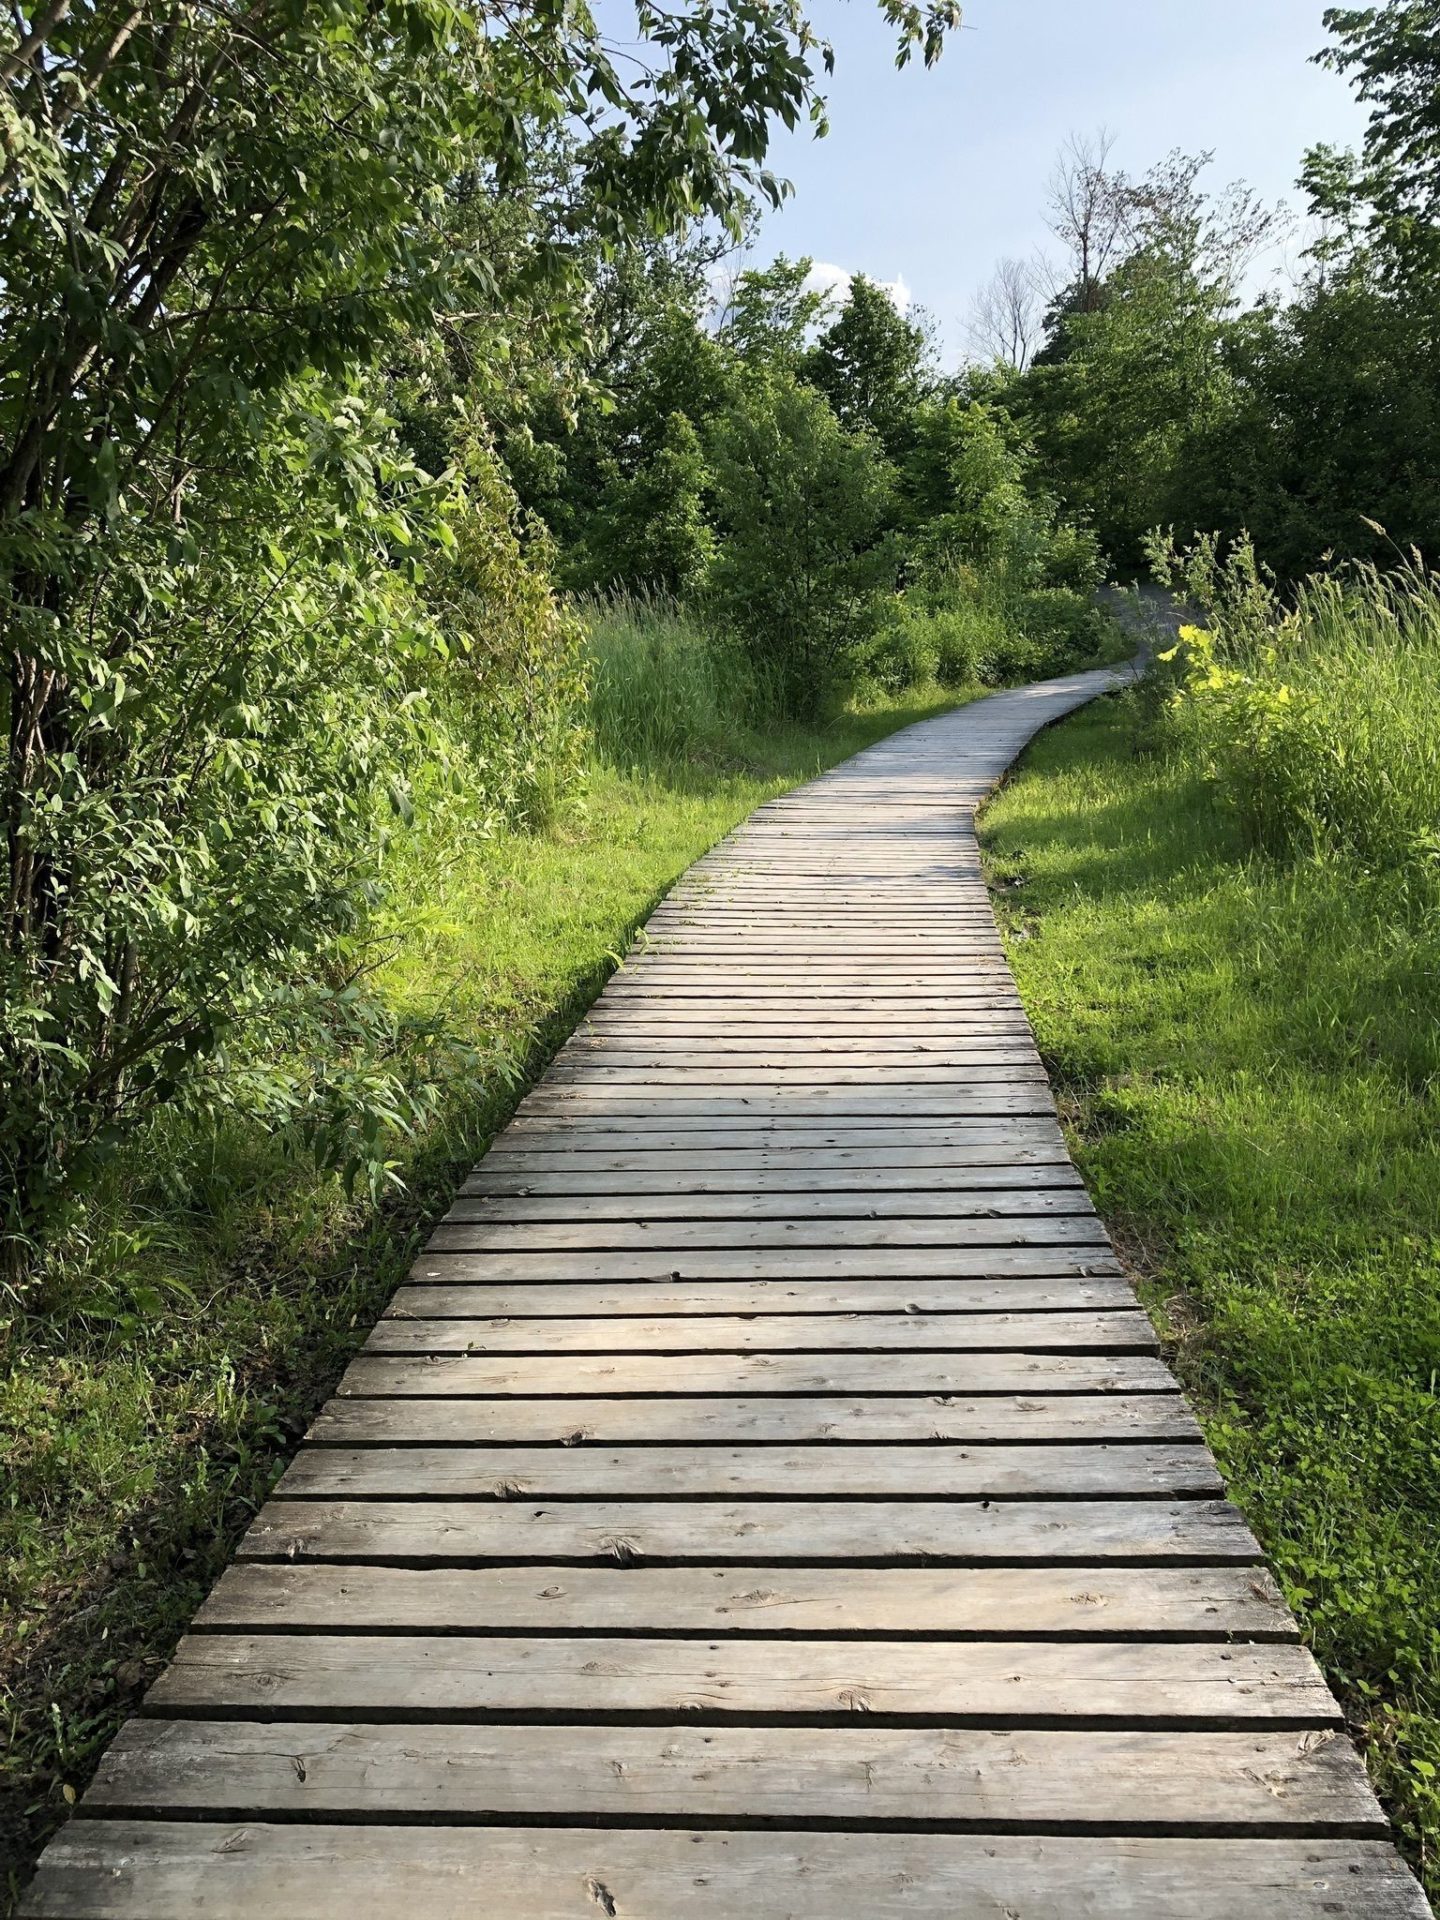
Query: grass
664	690
1247	1051
233	1283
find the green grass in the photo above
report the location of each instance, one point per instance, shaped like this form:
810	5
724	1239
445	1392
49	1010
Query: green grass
232	1283
665	690
1247	1052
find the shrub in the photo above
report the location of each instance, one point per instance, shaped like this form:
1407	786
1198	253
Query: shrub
903	654
238	715
514	690
1317	721
806	562
1065	625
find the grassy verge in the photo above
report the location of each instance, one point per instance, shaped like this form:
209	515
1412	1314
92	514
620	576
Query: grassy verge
1248	1054
230	1284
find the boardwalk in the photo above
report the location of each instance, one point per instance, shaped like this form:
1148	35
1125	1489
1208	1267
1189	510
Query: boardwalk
766	1498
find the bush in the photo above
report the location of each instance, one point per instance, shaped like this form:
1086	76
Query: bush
1065	626
1317	721
514	690
903	654
235	719
806	562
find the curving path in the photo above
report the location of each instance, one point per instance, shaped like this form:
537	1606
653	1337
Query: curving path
766	1498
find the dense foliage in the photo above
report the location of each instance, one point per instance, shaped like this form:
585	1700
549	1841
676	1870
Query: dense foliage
275	282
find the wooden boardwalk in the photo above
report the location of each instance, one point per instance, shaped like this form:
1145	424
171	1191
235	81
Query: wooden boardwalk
766	1498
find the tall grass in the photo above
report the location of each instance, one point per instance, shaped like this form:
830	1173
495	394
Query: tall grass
1319	719
664	688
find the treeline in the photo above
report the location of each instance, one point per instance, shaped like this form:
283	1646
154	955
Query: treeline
1155	397
798	470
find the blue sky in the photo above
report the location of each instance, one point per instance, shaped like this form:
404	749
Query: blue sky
930	177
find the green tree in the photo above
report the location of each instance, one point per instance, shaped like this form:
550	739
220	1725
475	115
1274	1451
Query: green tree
804	509
967	492
215	224
1392	53
651	529
872	365
772	312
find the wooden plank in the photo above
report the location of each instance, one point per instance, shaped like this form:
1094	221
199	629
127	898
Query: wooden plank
682	1105
884	1030
683	1472
1115	1332
801	1232
1189	1603
139	1870
779	1263
465	1533
717	1075
466	1300
650	1049
858	1203
480	1375
879	1420
676	1177
983	1143
1136	1684
957	1778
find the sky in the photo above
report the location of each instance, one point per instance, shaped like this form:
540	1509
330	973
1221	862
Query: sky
927	178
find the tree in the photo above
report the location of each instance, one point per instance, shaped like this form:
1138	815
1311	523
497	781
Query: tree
1089	211
1006	315
804	508
872	365
651	529
965	483
772	313
1393	53
215	223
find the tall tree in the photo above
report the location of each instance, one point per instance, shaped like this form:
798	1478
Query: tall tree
872	365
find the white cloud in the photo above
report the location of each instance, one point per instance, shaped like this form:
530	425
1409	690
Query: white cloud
824	277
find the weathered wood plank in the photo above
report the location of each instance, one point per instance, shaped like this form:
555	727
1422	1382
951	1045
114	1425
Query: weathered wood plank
1034	1141
713	1068
679	1106
651	1050
135	1870
715	1075
676	1177
474	1299
1117	1332
1191	1603
461	1533
777	1263
480	1375
601	1234
680	1472
1112	1417
957	1778
859	1202
1018	1682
